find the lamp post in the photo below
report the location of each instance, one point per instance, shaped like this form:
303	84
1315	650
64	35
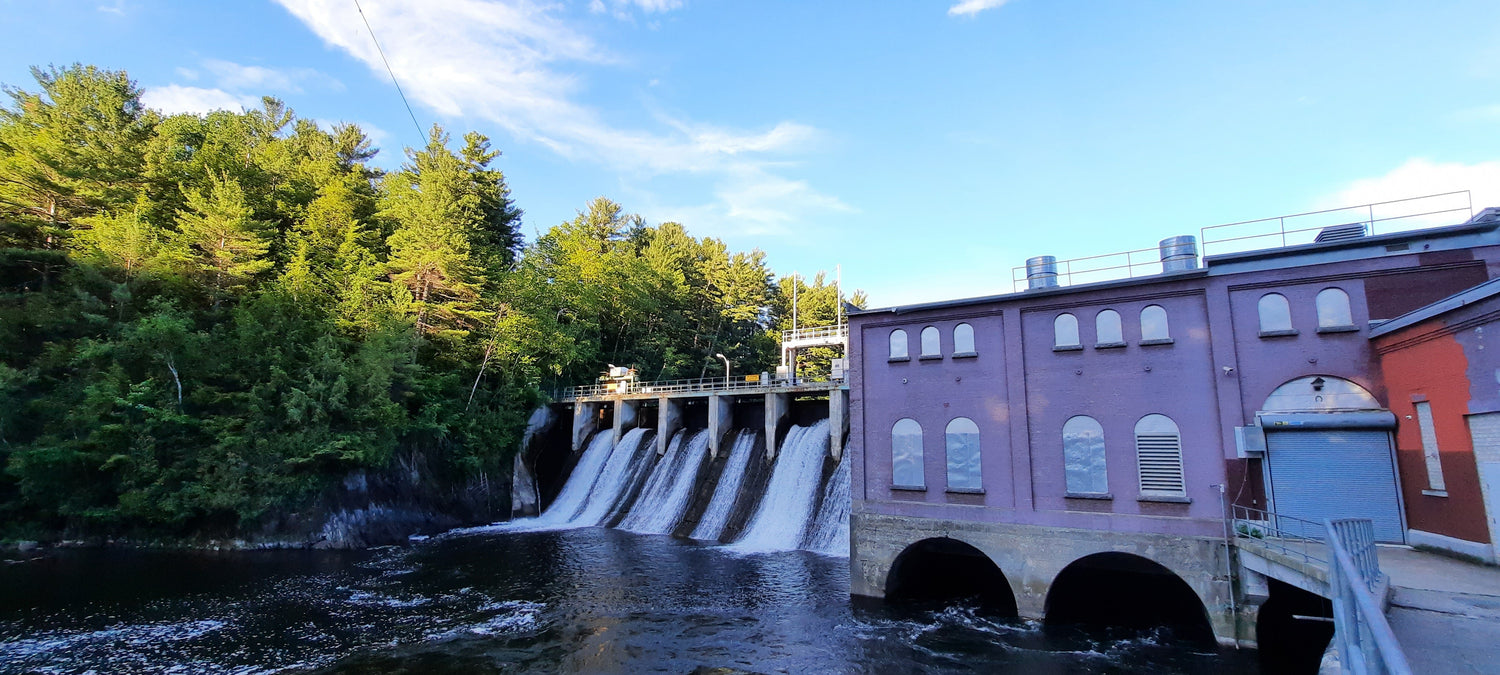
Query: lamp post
726	369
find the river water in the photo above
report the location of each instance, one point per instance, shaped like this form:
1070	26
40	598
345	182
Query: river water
592	600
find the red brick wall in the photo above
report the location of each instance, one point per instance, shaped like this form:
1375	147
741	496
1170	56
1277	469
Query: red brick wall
1437	369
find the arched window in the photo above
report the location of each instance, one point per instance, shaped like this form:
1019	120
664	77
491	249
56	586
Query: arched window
1065	331
963	340
1154	324
931	342
963	455
1275	314
1158	456
1107	329
1083	456
1333	309
906	455
898	345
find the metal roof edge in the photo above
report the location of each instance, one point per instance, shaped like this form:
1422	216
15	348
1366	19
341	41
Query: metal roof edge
1458	300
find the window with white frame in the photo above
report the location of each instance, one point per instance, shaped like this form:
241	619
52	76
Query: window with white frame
1158	456
1275	314
1430	447
906	455
963	339
1154	324
962	438
1065	331
1107	331
1083	456
932	342
898	344
1333	309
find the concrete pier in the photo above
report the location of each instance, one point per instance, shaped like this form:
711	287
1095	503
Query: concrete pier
720	421
668	422
838	422
626	417
778	411
585	422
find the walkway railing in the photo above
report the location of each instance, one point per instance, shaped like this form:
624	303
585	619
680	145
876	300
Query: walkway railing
705	384
817	334
1364	638
1295	537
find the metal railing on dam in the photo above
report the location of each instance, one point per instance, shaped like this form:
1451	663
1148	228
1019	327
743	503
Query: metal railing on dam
705	386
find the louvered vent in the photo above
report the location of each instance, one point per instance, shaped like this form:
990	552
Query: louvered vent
1160	459
1341	232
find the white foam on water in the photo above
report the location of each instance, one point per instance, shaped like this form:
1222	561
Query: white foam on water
670	487
570	500
721	505
782	519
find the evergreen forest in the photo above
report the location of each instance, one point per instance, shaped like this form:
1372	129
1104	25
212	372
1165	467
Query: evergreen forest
209	322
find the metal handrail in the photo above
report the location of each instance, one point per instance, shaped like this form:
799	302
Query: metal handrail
814	332
1066	270
1365	641
1289	534
667	387
1366	218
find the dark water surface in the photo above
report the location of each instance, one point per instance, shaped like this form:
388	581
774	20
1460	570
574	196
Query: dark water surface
590	600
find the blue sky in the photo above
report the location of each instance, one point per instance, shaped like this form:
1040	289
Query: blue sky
927	147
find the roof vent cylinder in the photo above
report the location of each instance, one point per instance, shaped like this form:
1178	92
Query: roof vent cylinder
1179	253
1041	272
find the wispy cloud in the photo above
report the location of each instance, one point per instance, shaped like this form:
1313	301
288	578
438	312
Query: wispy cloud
175	98
621	8
1481	113
512	62
259	79
116	8
972	7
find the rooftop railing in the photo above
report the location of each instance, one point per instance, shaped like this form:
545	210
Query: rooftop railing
817	334
1302	228
1265	233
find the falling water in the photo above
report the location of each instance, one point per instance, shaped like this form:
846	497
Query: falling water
665	497
576	491
830	533
782	519
614	479
721	505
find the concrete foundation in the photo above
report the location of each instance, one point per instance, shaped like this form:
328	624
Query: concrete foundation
1032	556
668	422
838	422
626	417
778	413
585	422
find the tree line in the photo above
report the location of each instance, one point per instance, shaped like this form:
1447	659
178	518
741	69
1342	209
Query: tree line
208	321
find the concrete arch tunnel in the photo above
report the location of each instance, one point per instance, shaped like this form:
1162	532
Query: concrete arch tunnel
1126	590
943	570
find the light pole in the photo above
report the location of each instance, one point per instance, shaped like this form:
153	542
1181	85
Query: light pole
726	369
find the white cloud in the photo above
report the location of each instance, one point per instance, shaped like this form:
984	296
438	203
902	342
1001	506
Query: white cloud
621	8
175	98
972	7
1483	113
259	79
1419	177
509	62
118	8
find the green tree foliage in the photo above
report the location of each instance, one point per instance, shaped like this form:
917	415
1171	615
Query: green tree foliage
208	321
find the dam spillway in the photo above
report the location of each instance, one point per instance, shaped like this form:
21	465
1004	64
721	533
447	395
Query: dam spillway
754	502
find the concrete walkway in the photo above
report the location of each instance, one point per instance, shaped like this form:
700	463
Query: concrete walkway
1445	612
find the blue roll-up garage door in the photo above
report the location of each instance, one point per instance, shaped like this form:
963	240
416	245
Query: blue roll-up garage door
1335	473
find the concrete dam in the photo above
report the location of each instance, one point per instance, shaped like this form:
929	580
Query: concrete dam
761	472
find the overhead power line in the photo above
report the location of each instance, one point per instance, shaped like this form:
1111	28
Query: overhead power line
421	135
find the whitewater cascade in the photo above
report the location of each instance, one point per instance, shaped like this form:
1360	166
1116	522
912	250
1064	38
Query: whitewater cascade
781	520
626	485
721	505
665	497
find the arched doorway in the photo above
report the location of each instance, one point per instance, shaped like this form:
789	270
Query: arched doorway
943	571
1129	591
1329	455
